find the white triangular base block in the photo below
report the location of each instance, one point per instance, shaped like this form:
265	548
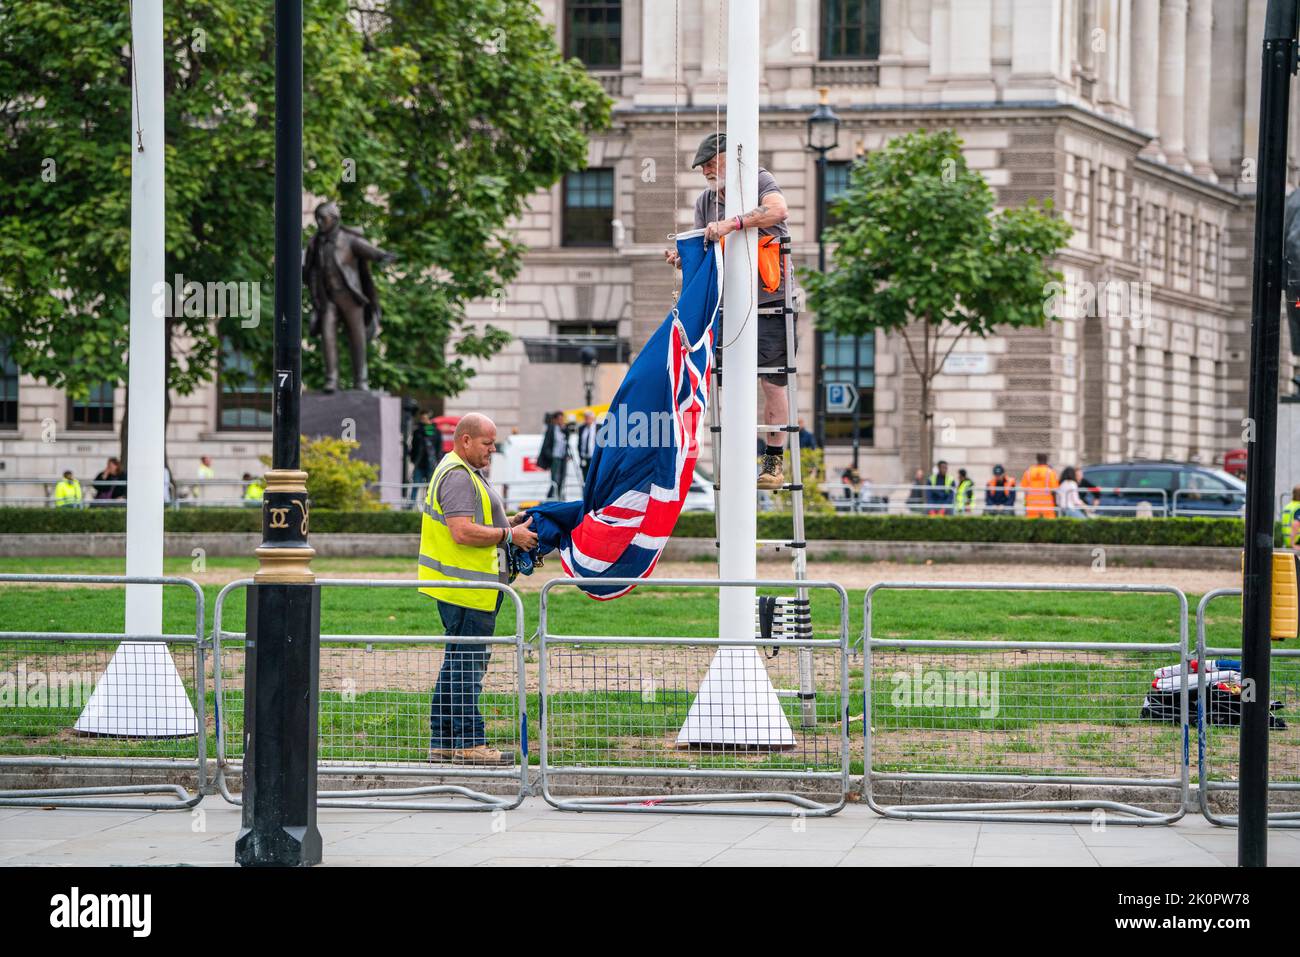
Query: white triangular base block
736	704
140	695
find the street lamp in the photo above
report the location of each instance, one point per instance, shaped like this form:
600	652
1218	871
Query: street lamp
823	136
590	361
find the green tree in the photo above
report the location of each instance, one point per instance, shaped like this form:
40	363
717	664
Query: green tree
918	250
431	122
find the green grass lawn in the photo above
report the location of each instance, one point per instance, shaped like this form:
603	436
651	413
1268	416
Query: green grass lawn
1096	703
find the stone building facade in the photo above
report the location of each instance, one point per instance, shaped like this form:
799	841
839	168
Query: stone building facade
1137	118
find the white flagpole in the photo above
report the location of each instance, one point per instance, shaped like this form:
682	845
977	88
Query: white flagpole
141	694
738	505
147	374
736	703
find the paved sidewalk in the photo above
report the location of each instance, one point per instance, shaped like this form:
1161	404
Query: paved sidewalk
536	834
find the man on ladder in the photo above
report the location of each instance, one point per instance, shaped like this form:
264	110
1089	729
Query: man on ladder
768	217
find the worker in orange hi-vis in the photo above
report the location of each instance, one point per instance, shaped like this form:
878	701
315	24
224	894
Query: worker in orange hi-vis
1039	484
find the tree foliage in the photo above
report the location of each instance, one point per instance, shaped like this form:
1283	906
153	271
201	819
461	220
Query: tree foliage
431	122
919	250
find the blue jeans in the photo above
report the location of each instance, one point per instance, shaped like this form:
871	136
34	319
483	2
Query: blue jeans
454	718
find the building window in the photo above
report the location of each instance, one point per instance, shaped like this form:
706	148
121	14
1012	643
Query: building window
593	32
851	359
850	29
837	181
8	390
95	412
589	208
243	400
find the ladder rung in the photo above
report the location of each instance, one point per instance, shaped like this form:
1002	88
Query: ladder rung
777	428
778	370
791	487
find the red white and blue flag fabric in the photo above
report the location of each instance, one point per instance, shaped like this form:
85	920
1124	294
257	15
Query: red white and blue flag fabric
646	445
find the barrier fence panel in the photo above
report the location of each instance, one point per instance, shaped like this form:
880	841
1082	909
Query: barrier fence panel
377	707
104	703
1219	722
624	715
943	715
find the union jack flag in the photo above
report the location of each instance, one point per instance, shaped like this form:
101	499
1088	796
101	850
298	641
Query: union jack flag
646	445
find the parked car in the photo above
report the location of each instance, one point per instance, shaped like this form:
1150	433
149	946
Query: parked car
1162	489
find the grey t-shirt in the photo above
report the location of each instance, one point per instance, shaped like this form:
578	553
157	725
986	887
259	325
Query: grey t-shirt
710	207
459	498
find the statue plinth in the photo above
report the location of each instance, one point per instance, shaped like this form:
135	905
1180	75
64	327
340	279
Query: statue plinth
373	419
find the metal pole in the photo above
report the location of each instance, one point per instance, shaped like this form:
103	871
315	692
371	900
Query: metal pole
819	340
147	374
281	681
738	513
1265	343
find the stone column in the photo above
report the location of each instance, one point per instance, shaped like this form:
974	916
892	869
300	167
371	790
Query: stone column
891	50
970	33
1255	10
1035	54
1144	54
1173	79
659	40
1200	22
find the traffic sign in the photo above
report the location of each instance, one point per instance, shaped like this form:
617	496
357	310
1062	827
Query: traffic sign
841	397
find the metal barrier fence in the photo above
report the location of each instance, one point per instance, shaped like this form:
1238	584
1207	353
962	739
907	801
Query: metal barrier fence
1019	712
376	714
102	701
874	499
704	708
1284	739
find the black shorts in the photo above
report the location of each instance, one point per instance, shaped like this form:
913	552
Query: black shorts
771	344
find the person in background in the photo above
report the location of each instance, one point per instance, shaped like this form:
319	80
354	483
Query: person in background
916	497
423	451
105	485
1000	493
806	438
941	492
1072	505
965	493
849	479
253	491
1291	521
586	442
205	474
67	493
1040	484
554	453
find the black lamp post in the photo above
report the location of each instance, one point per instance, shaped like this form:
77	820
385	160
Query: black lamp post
590	361
282	663
823	136
1279	65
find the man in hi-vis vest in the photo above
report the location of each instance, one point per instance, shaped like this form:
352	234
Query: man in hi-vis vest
463	538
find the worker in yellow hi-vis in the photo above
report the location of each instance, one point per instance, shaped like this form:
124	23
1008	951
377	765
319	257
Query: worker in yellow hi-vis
67	494
1291	521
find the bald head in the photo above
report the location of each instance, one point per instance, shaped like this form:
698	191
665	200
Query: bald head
475	439
473	424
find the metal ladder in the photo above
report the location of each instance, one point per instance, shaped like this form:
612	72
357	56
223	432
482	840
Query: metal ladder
786	617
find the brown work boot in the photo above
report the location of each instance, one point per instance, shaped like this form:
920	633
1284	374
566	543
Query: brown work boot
442	755
772	475
483	755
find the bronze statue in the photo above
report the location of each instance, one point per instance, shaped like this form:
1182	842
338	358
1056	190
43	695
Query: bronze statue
336	271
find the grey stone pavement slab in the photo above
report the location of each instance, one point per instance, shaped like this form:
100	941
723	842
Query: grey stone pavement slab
537	835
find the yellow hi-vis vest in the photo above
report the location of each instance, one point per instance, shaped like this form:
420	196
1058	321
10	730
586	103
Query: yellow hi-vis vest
67	493
442	559
1289	516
